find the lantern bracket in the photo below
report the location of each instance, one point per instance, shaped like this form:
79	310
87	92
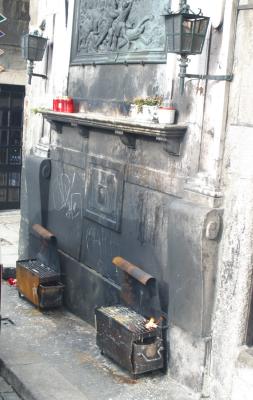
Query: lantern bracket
182	75
228	78
31	74
40	76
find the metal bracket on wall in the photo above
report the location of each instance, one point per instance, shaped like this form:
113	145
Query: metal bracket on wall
40	76
127	139
182	75
57	126
228	78
82	130
171	145
30	73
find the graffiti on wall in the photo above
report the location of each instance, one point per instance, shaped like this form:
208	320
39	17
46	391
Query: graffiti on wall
66	198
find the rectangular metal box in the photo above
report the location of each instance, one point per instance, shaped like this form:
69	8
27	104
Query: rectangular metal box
39	283
122	335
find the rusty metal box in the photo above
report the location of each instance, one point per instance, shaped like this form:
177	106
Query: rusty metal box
122	335
39	284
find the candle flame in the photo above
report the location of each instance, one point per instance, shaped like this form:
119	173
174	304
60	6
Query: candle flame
151	324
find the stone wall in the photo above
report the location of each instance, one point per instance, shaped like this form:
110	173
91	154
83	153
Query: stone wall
234	284
170	208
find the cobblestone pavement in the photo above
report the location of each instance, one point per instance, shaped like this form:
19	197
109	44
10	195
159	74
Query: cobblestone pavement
6	391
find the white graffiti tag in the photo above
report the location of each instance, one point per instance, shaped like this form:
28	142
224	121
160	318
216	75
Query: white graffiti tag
65	198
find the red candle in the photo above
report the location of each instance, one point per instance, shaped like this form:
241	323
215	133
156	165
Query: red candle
55	104
60	105
70	105
63	104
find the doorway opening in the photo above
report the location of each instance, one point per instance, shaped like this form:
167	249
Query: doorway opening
11	127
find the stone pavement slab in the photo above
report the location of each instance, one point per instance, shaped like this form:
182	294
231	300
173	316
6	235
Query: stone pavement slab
40	381
10	396
6	391
9	237
4	386
53	355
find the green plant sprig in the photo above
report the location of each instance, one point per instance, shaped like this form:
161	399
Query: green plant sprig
147	101
39	110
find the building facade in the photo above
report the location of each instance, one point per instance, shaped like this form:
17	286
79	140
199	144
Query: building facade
178	203
15	21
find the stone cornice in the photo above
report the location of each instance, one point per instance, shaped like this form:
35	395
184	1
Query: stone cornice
127	129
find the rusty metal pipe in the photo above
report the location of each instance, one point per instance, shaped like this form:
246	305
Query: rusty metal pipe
134	271
44	233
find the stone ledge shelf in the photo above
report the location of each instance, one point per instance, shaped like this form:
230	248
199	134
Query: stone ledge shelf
127	129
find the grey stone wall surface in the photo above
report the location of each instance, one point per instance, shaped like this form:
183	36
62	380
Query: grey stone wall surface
107	200
161	212
234	280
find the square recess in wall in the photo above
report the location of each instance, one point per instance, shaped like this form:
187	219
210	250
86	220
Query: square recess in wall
104	192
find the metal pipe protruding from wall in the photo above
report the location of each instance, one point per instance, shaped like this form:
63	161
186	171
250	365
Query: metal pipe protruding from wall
134	271
43	233
30	73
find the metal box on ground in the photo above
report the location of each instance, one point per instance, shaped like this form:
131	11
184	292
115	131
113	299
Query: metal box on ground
122	335
39	284
39	279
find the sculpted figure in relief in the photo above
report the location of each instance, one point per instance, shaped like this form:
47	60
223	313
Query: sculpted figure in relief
105	23
107	27
119	27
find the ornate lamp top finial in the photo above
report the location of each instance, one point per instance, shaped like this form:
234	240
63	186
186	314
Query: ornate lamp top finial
184	7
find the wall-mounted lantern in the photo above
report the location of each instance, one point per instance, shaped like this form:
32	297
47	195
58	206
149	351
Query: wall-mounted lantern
185	35
33	49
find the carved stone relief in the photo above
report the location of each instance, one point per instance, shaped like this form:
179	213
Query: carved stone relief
118	31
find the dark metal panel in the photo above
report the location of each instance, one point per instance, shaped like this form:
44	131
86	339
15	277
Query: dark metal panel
85	290
118	32
99	246
66	206
144	234
104	191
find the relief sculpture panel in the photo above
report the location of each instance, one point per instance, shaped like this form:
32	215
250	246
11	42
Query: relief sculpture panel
119	31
